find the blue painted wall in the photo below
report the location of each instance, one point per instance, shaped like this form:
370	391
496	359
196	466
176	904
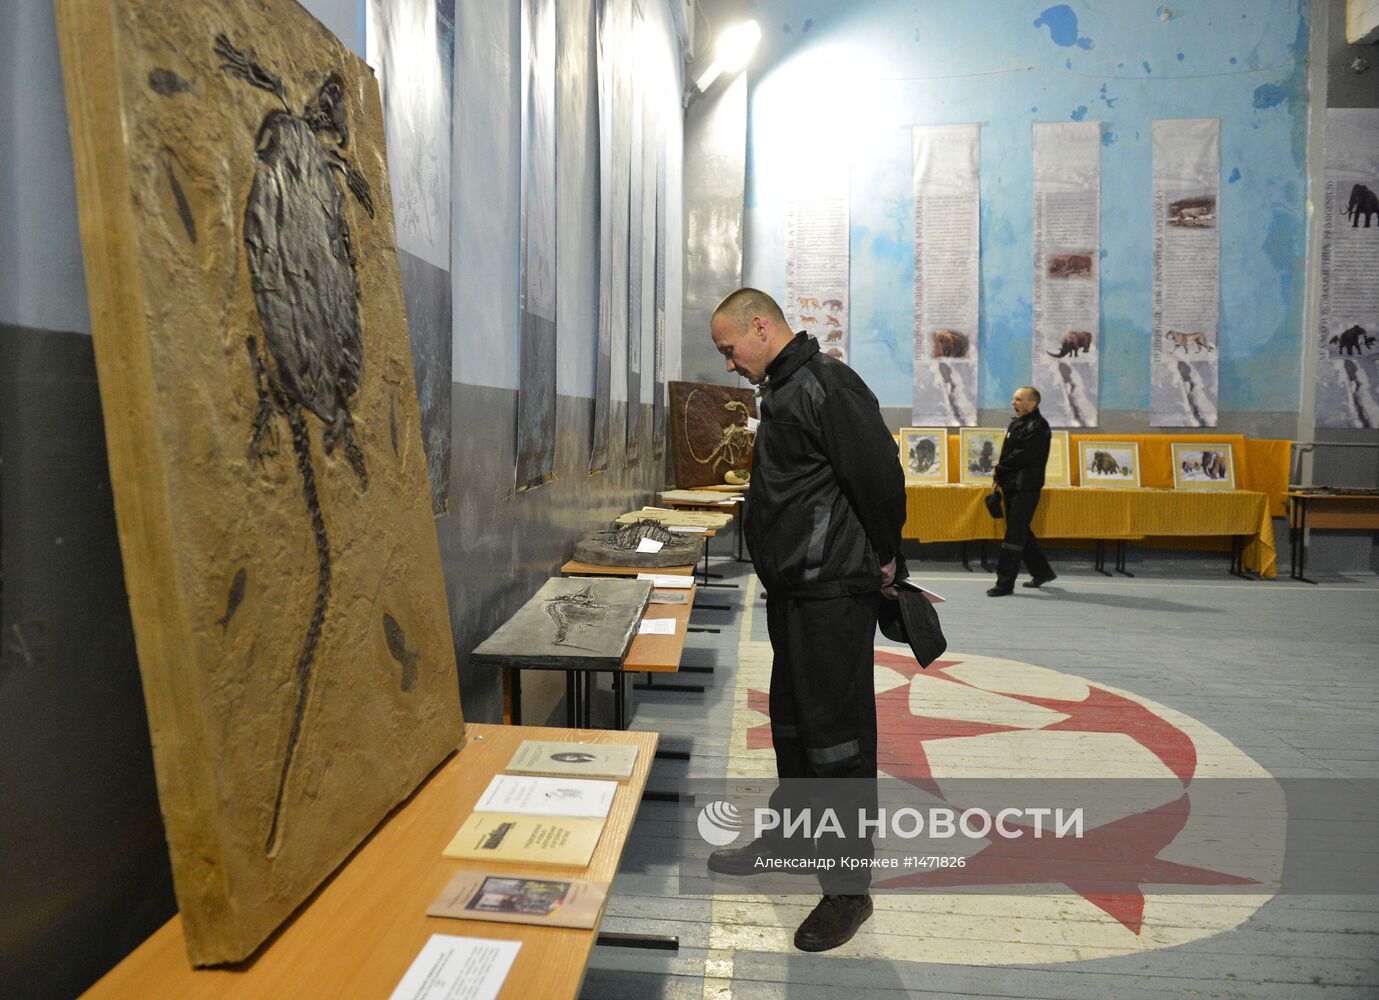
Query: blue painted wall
849	79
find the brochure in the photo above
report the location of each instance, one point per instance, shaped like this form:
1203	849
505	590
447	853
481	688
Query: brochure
508	899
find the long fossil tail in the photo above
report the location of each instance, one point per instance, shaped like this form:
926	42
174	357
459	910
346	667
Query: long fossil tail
301	445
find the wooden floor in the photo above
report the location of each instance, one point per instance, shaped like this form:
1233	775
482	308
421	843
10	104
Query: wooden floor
1267	680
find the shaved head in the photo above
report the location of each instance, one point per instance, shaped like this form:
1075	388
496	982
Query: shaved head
740	306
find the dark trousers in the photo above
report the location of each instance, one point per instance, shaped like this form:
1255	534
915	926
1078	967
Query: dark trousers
1019	541
823	721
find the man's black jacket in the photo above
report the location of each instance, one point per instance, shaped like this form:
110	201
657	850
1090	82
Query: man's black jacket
1024	453
827	496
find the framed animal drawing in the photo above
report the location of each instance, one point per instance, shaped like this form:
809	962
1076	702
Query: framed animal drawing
264	443
1109	463
924	454
979	449
1057	471
1198	466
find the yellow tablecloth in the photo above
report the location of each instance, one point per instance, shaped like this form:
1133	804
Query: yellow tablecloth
1261	464
956	513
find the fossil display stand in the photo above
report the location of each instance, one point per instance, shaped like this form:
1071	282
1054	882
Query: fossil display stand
270	484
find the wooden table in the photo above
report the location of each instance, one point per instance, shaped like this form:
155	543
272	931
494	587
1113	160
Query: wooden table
576	568
735	501
1309	509
359	933
956	513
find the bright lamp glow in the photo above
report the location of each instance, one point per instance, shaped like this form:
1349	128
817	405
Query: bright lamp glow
735	47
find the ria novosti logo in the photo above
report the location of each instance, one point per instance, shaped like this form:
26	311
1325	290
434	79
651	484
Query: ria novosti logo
720	823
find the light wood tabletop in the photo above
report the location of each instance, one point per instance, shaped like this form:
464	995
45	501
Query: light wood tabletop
660	654
359	933
576	568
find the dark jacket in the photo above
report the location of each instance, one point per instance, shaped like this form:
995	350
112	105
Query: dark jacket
1024	453
827	496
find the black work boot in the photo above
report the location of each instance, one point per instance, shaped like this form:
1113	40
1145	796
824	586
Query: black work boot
834	921
750	858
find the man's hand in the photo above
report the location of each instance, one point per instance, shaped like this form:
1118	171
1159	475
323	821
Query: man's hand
888	580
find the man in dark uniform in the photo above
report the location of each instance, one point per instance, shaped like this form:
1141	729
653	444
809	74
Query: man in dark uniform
824	512
1020	477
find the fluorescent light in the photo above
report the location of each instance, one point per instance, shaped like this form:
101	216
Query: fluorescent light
735	47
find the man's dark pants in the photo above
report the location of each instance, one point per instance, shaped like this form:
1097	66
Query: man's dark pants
1020	541
823	720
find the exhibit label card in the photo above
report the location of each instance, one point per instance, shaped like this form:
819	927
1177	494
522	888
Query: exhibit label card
1187	273
525	839
1067	271
1347	345
504	899
529	796
947	270
458	968
577	760
668	582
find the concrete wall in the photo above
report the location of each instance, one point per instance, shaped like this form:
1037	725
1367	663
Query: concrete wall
84	874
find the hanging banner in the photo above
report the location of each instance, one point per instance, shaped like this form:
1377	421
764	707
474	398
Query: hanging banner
536	358
947	164
816	268
636	242
1187	273
1348	341
1067	271
658	400
411	47
603	360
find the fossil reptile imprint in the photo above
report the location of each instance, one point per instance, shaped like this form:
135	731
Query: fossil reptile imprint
302	270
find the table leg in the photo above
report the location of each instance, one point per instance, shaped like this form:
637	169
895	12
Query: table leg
1121	547
515	685
1100	563
1302	543
571	699
986	565
619	700
964	557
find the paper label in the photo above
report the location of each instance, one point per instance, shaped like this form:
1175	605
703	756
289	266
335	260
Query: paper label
457	968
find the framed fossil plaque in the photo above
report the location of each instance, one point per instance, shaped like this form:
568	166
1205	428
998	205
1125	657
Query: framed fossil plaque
712	428
261	418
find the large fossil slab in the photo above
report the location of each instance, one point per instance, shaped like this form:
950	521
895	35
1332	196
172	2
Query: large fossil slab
261	416
644	543
571	622
708	431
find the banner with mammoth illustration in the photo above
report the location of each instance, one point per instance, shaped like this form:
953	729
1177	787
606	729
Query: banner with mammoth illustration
816	265
947	273
1347	346
1067	271
1185	364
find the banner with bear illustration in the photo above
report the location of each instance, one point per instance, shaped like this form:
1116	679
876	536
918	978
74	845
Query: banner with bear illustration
947	165
1185	364
1067	271
1347	346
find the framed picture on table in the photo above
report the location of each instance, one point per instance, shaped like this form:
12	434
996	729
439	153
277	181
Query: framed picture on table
979	448
1057	472
1109	463
1198	466
924	454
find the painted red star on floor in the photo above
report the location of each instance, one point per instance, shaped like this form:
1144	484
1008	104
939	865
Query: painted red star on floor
1108	864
